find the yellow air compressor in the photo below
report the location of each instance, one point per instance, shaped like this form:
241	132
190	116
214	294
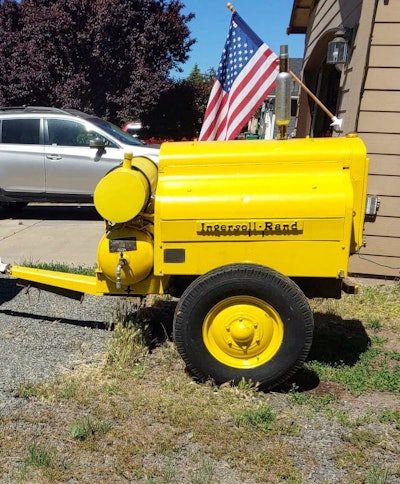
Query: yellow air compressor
245	231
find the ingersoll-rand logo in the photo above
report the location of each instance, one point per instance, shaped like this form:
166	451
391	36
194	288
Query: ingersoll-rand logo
248	227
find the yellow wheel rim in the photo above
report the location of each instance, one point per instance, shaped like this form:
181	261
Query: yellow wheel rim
243	332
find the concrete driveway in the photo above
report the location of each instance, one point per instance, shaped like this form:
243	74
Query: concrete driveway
64	233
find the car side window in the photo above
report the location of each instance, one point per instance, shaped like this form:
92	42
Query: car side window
20	131
62	132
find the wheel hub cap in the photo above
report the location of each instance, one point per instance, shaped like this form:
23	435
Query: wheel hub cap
243	331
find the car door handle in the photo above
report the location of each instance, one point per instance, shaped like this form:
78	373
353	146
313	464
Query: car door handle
54	157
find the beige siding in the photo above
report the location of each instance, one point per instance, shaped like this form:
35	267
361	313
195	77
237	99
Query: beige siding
374	246
386	33
388	11
365	264
387	226
384	165
381	101
389	207
369	104
385	56
385	185
383	79
381	143
379	122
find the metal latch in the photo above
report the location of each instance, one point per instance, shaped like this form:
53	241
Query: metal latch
372	207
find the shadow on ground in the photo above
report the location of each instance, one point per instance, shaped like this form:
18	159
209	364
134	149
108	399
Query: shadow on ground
52	212
9	289
336	340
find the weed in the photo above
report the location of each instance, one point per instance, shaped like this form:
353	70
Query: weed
381	301
41	464
378	475
39	456
204	473
374	324
390	416
88	427
130	341
362	439
30	390
317	402
247	387
260	418
69	390
169	476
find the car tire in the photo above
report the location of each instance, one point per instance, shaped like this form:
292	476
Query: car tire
13	206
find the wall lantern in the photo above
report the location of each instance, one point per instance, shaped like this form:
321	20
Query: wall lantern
338	48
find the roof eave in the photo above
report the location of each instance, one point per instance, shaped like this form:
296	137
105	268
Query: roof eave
301	12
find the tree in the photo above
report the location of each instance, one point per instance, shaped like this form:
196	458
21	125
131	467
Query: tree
180	110
109	57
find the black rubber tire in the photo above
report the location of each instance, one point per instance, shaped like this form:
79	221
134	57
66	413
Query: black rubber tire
13	206
255	281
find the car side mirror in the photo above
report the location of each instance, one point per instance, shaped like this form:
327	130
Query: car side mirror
97	143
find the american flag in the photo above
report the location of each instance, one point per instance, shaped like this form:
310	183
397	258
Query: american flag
246	75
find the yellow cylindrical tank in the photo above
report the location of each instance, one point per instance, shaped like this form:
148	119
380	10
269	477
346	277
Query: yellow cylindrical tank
125	255
126	191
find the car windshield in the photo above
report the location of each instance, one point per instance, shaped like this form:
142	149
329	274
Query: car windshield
116	132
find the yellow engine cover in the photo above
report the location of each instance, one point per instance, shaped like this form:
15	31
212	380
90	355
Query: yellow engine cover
296	206
134	246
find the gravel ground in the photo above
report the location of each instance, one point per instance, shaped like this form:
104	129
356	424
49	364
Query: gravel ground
42	334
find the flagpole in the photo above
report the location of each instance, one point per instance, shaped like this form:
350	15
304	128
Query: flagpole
231	7
335	120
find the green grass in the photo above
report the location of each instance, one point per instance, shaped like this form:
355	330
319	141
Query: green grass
39	456
261	417
60	267
375	370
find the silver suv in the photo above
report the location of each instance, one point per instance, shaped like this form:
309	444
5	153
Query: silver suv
58	155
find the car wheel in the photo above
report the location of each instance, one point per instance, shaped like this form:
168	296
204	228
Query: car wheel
243	322
13	206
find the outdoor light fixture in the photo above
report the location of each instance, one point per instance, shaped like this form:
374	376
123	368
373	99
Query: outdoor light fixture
338	47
